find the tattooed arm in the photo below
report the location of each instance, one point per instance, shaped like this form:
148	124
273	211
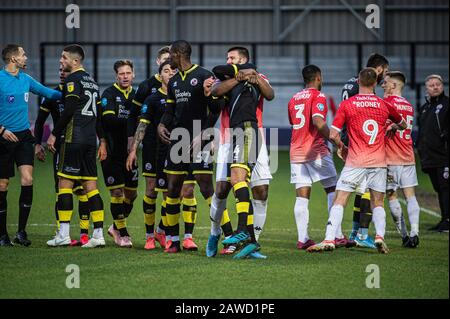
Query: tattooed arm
137	139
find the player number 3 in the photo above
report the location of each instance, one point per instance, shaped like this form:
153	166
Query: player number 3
370	128
299	115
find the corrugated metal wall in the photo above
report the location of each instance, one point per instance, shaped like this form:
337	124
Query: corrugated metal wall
31	27
30	22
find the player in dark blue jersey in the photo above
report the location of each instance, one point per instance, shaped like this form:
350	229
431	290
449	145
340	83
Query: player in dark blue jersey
78	151
149	151
16	140
362	214
54	109
152	110
190	110
122	184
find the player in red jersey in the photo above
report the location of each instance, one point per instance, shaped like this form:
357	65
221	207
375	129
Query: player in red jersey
311	160
365	115
401	164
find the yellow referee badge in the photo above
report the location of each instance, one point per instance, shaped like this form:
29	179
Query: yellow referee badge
70	87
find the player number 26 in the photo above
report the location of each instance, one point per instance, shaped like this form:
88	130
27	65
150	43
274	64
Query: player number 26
370	128
90	109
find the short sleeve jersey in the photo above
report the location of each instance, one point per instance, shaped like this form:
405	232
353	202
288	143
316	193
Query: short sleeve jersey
306	142
350	89
399	150
153	108
365	116
54	108
116	102
82	127
147	88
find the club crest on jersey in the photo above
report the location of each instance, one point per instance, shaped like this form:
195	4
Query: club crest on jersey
194	82
104	101
153	90
70	87
320	106
11	99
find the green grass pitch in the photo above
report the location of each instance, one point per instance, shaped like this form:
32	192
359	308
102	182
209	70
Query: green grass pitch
111	272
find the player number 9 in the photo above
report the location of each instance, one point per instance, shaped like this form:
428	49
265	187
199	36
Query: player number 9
371	132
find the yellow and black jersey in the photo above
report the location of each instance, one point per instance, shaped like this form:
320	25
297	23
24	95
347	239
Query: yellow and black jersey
186	101
79	118
48	107
147	88
116	109
153	108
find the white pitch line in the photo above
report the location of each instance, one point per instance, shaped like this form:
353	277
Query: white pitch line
425	210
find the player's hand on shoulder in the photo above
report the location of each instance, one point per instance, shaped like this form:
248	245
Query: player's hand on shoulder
245	74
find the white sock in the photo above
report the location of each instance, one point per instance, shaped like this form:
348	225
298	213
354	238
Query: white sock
413	213
379	220
186	236
301	213
397	215
216	212
152	235
98	233
64	230
175	238
168	237
259	216
334	221
330	199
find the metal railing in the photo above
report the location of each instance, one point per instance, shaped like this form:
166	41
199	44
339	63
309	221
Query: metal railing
358	48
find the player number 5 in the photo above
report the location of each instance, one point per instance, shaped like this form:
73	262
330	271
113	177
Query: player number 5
370	128
409	122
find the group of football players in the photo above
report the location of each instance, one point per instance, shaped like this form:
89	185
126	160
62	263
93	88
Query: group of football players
173	114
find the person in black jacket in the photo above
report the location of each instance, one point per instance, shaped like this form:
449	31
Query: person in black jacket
432	143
